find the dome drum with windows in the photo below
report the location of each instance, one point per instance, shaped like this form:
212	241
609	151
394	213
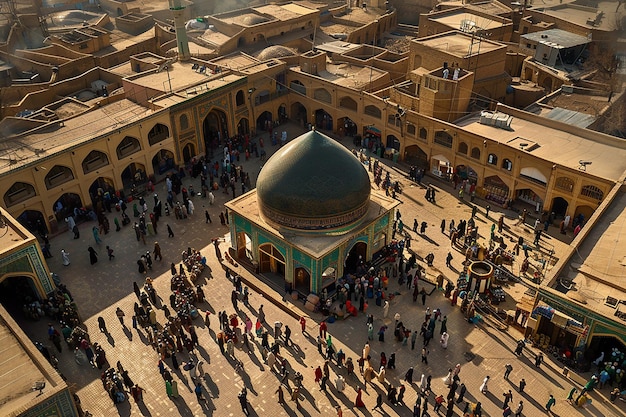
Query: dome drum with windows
313	183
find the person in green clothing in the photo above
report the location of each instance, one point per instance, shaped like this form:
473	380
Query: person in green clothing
551	402
168	388
570	396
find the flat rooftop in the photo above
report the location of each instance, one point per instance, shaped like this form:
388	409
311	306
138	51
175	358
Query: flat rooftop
179	76
584	16
556	38
59	137
455	19
21	367
316	245
608	157
349	75
601	262
457	44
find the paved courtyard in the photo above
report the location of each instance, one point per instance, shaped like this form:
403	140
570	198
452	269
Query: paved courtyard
480	349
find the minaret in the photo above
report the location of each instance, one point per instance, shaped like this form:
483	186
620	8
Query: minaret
178	11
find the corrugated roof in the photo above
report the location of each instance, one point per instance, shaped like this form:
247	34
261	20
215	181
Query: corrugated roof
571	117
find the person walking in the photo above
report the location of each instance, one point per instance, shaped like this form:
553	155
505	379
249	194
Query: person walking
449	260
93	255
303	324
507	370
522	385
462	391
443	226
110	253
207	217
66	257
425	353
484	388
170	233
157	252
120	316
408	376
386	309
96	234
538	359
281	395
243	400
518	410
102	325
551	402
508	397
198	390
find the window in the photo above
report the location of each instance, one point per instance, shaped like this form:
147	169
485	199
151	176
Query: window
443	138
322	94
94	160
128	146
373	111
298	87
593	192
410	129
507	164
492	159
462	148
475	153
348	103
239	98
158	133
184	122
564	184
423	133
58	175
20	191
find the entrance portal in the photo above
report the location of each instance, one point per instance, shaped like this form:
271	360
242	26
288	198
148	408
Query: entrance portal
17	291
65	205
356	256
214	129
34	221
559	206
302	280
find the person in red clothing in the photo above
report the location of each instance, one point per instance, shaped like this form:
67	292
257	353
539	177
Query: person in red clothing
359	401
303	324
318	374
323	330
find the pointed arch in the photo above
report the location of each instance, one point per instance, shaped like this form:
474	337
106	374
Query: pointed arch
94	160
158	133
58	175
348	103
373	111
475	153
462	148
128	146
19	191
322	94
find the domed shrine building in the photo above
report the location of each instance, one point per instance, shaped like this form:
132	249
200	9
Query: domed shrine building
312	217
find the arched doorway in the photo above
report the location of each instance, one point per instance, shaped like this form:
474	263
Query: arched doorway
299	114
323	120
243	127
189	151
134	173
414	155
163	162
282	113
559	206
214	129
528	196
100	186
393	142
347	126
264	121
244	246
356	255
586	211
496	190
34	221
17	291
65	205
547	84
302	280
271	260
465	172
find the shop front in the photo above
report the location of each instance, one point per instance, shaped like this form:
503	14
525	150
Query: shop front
558	332
528	196
496	190
440	167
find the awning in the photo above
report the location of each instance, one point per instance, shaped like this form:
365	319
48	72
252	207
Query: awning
441	158
534	173
526	304
560	319
544	310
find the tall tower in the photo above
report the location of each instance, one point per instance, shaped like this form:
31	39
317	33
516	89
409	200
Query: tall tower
178	10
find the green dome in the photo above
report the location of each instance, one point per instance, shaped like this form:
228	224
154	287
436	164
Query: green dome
313	183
